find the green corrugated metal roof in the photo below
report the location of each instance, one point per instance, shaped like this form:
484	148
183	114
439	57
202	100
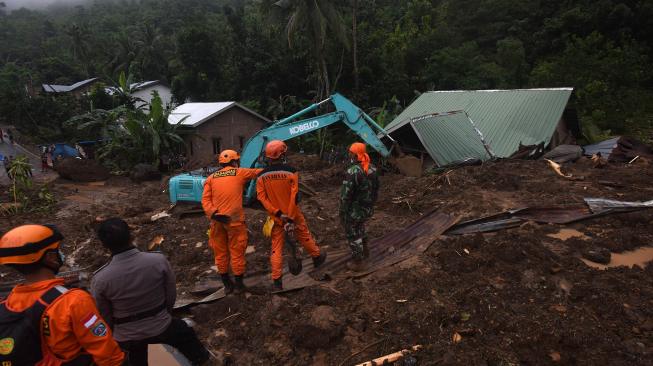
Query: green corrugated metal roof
505	117
449	137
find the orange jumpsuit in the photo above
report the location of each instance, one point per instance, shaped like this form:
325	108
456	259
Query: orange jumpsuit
70	326
223	194
277	187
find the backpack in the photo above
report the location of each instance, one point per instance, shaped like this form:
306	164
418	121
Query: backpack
20	332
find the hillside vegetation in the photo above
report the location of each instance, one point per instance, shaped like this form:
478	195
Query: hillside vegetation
276	55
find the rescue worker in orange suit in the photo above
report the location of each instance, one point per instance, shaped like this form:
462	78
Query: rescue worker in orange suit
72	332
222	202
277	189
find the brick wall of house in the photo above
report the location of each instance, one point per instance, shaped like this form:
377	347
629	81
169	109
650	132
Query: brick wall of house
231	128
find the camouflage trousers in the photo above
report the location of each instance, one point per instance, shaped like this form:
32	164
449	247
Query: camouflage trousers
357	238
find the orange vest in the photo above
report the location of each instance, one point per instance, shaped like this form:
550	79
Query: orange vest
223	192
276	188
70	326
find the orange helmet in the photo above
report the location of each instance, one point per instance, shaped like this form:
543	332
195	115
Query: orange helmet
275	148
227	156
26	244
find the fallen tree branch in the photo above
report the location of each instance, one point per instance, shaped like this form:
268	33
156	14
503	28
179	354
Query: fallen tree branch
361	351
230	316
391	357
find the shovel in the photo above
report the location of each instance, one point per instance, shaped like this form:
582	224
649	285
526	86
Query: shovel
295	261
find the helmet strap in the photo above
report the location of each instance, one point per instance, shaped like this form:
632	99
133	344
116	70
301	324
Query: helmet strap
48	264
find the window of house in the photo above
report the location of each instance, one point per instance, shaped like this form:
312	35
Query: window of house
216	146
190	145
241	141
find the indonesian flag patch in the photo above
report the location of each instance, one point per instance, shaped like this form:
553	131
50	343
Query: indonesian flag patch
90	320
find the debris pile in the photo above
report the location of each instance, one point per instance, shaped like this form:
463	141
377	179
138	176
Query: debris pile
519	295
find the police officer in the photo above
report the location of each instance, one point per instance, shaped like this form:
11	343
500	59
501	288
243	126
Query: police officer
358	195
136	292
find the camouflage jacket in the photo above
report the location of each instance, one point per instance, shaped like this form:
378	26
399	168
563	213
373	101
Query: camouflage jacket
358	193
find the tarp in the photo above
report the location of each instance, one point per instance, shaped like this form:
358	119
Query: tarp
65	151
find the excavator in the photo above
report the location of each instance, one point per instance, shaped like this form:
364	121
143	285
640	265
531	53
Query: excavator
188	187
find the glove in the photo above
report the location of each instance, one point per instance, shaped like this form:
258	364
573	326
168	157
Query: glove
221	218
285	218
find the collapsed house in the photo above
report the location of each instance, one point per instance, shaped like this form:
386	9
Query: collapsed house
452	126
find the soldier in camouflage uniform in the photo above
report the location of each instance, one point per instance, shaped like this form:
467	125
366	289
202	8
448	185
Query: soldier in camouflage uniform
357	198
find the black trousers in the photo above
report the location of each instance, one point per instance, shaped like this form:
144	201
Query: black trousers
178	335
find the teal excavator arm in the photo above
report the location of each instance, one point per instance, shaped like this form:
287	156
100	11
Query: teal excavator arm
189	187
288	128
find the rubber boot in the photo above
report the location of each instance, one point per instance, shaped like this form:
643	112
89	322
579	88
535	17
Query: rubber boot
319	260
356	264
277	285
228	285
239	285
366	249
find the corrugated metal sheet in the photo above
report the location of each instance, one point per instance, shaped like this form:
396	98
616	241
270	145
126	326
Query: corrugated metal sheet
449	137
603	147
505	117
54	88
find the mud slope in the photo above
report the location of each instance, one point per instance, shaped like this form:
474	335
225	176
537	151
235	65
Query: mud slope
519	296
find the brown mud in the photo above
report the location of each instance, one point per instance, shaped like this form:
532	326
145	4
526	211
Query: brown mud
518	296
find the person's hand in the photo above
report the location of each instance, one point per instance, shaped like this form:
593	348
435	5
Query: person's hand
221	218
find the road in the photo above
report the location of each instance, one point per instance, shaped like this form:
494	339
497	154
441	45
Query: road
15	150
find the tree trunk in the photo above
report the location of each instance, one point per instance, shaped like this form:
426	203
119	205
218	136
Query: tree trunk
354	33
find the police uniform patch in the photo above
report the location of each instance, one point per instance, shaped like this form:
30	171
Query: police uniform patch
6	346
99	330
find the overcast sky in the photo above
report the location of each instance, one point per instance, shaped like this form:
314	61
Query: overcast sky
14	4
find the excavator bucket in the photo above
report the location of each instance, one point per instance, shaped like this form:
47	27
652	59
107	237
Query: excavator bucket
407	165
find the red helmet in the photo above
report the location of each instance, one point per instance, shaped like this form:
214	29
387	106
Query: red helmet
26	244
275	148
227	156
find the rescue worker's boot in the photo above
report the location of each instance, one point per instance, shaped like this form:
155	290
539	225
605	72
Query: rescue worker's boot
228	285
239	285
366	249
357	255
277	285
320	259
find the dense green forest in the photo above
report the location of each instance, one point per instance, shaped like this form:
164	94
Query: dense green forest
275	56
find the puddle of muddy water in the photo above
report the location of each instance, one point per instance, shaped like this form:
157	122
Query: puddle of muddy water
566	234
639	257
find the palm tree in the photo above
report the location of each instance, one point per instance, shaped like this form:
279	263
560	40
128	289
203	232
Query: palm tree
79	45
149	57
319	20
124	53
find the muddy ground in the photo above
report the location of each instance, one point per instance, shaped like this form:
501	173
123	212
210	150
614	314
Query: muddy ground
519	296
